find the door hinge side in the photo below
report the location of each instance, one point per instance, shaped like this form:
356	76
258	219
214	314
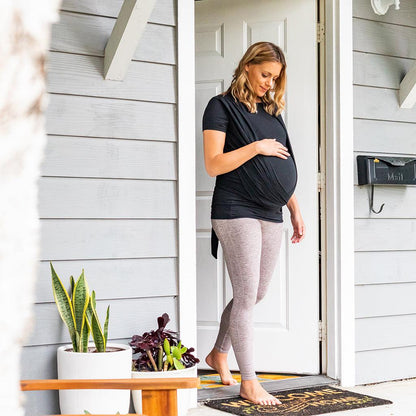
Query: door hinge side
322	331
320	34
319	180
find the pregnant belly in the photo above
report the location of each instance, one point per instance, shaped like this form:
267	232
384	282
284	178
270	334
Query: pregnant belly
282	171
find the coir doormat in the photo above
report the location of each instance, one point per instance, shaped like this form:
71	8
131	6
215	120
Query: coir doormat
300	402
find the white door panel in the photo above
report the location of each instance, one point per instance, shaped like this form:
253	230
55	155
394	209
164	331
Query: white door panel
286	320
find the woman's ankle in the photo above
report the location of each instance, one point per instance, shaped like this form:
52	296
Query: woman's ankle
250	381
217	350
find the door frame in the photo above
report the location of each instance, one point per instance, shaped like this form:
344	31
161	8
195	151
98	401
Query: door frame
338	199
339	186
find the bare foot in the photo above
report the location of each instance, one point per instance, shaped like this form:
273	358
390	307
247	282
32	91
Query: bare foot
218	361
254	392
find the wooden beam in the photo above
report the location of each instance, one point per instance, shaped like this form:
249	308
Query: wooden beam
163	403
172	383
124	38
407	92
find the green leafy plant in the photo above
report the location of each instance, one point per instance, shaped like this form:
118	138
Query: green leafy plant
173	356
161	350
79	313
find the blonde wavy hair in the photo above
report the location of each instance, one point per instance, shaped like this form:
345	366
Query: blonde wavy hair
241	89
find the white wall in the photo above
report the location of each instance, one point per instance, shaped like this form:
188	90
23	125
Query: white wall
108	191
385	244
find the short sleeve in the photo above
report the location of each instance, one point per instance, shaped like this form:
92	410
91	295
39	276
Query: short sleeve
215	116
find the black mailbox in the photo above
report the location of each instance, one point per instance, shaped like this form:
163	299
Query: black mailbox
386	170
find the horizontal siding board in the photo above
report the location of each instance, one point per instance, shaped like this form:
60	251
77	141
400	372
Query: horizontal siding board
384	136
385	300
383	365
385	234
105	239
109	158
163	12
381	104
384	38
406	15
106	198
105	117
83	75
385	244
127	317
88	35
400	201
113	279
107	195
39	403
385	332
372	267
379	70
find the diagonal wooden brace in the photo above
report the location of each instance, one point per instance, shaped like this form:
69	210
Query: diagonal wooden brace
125	37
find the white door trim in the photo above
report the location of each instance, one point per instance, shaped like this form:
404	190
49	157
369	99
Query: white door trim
186	229
339	185
340	191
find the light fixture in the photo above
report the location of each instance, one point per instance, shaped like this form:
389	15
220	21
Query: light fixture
381	6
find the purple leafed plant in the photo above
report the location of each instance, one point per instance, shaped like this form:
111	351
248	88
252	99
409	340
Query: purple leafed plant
149	349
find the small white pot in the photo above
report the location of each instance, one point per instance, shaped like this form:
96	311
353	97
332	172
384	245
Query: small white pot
94	365
187	398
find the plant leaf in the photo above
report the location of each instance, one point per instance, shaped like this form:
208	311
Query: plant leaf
176	353
88	314
64	306
72	281
106	327
85	335
94	305
80	299
166	346
97	332
178	365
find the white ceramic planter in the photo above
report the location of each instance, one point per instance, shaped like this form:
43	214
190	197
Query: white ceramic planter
187	398
94	365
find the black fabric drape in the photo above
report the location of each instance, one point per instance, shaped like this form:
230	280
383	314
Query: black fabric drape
259	180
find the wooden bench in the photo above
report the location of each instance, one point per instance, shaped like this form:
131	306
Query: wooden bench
159	396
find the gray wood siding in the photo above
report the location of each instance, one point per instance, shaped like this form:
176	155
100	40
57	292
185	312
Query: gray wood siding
108	185
385	244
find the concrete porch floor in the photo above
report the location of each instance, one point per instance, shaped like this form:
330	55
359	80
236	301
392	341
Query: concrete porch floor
401	392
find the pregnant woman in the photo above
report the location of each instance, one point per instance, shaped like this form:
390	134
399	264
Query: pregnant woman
247	148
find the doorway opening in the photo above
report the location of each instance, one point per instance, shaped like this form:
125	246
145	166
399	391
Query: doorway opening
217	25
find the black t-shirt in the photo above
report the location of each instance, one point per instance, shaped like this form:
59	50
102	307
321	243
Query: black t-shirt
230	199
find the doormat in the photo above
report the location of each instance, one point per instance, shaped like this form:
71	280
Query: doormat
300	402
210	381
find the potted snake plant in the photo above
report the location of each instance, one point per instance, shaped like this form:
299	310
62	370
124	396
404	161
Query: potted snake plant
88	360
160	354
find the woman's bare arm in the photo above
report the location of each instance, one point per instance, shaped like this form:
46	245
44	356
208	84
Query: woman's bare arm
296	219
217	162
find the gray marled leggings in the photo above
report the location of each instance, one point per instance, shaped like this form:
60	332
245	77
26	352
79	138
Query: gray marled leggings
251	248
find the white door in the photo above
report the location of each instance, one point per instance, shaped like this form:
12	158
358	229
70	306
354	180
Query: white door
286	320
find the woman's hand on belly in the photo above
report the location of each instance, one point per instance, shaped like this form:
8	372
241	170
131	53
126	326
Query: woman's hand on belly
271	147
